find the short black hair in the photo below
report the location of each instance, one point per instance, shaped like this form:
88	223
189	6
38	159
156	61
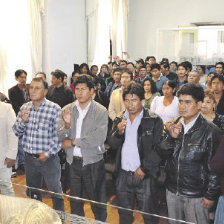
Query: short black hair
38	79
93	67
153	85
134	88
174	62
87	79
19	72
183	65
219	77
131	74
196	92
58	74
131	63
140	60
148	57
220	63
188	65
117	70
43	73
155	66
143	66
165	64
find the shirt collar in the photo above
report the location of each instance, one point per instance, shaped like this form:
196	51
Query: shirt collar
189	125
41	105
158	78
126	114
80	109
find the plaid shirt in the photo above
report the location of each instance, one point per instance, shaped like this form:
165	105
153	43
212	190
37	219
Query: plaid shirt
40	131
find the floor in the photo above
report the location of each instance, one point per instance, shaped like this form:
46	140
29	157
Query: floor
112	213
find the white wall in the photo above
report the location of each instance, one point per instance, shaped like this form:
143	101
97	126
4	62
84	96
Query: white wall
146	16
64	35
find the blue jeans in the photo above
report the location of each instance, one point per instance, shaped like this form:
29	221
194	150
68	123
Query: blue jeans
50	171
219	215
20	152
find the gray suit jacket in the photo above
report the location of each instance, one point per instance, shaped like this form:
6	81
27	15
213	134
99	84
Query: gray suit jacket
93	134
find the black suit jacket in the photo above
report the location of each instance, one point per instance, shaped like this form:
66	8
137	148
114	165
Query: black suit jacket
16	97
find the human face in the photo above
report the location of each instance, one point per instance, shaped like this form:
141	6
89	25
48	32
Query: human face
83	93
65	80
125	79
37	92
40	75
55	81
208	105
133	104
152	61
117	77
173	67
142	72
199	70
193	78
167	91
123	66
209	78
147	86
138	65
156	73
181	71
84	70
188	108
21	79
217	86
94	70
148	68
75	76
130	68
164	70
219	69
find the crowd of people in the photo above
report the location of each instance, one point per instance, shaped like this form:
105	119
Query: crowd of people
150	113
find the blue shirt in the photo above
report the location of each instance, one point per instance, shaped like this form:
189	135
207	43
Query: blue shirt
159	83
130	160
40	131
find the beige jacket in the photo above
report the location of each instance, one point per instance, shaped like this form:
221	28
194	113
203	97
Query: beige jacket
8	140
116	105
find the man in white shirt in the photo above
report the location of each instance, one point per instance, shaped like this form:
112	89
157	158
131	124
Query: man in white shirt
83	130
8	147
135	135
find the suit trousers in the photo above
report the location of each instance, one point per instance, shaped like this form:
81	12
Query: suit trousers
91	180
134	193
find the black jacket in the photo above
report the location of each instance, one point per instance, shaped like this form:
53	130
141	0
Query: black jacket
188	160
16	97
149	134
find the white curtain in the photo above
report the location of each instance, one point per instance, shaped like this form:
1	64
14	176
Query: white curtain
119	27
36	7
107	20
16	40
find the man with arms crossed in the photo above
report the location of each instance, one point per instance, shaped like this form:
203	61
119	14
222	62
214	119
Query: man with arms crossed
83	130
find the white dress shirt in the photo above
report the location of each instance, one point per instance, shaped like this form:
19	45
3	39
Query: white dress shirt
130	160
82	114
189	125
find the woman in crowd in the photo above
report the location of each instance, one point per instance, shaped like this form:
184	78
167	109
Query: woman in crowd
166	106
203	76
75	74
208	110
150	91
148	69
209	78
84	69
